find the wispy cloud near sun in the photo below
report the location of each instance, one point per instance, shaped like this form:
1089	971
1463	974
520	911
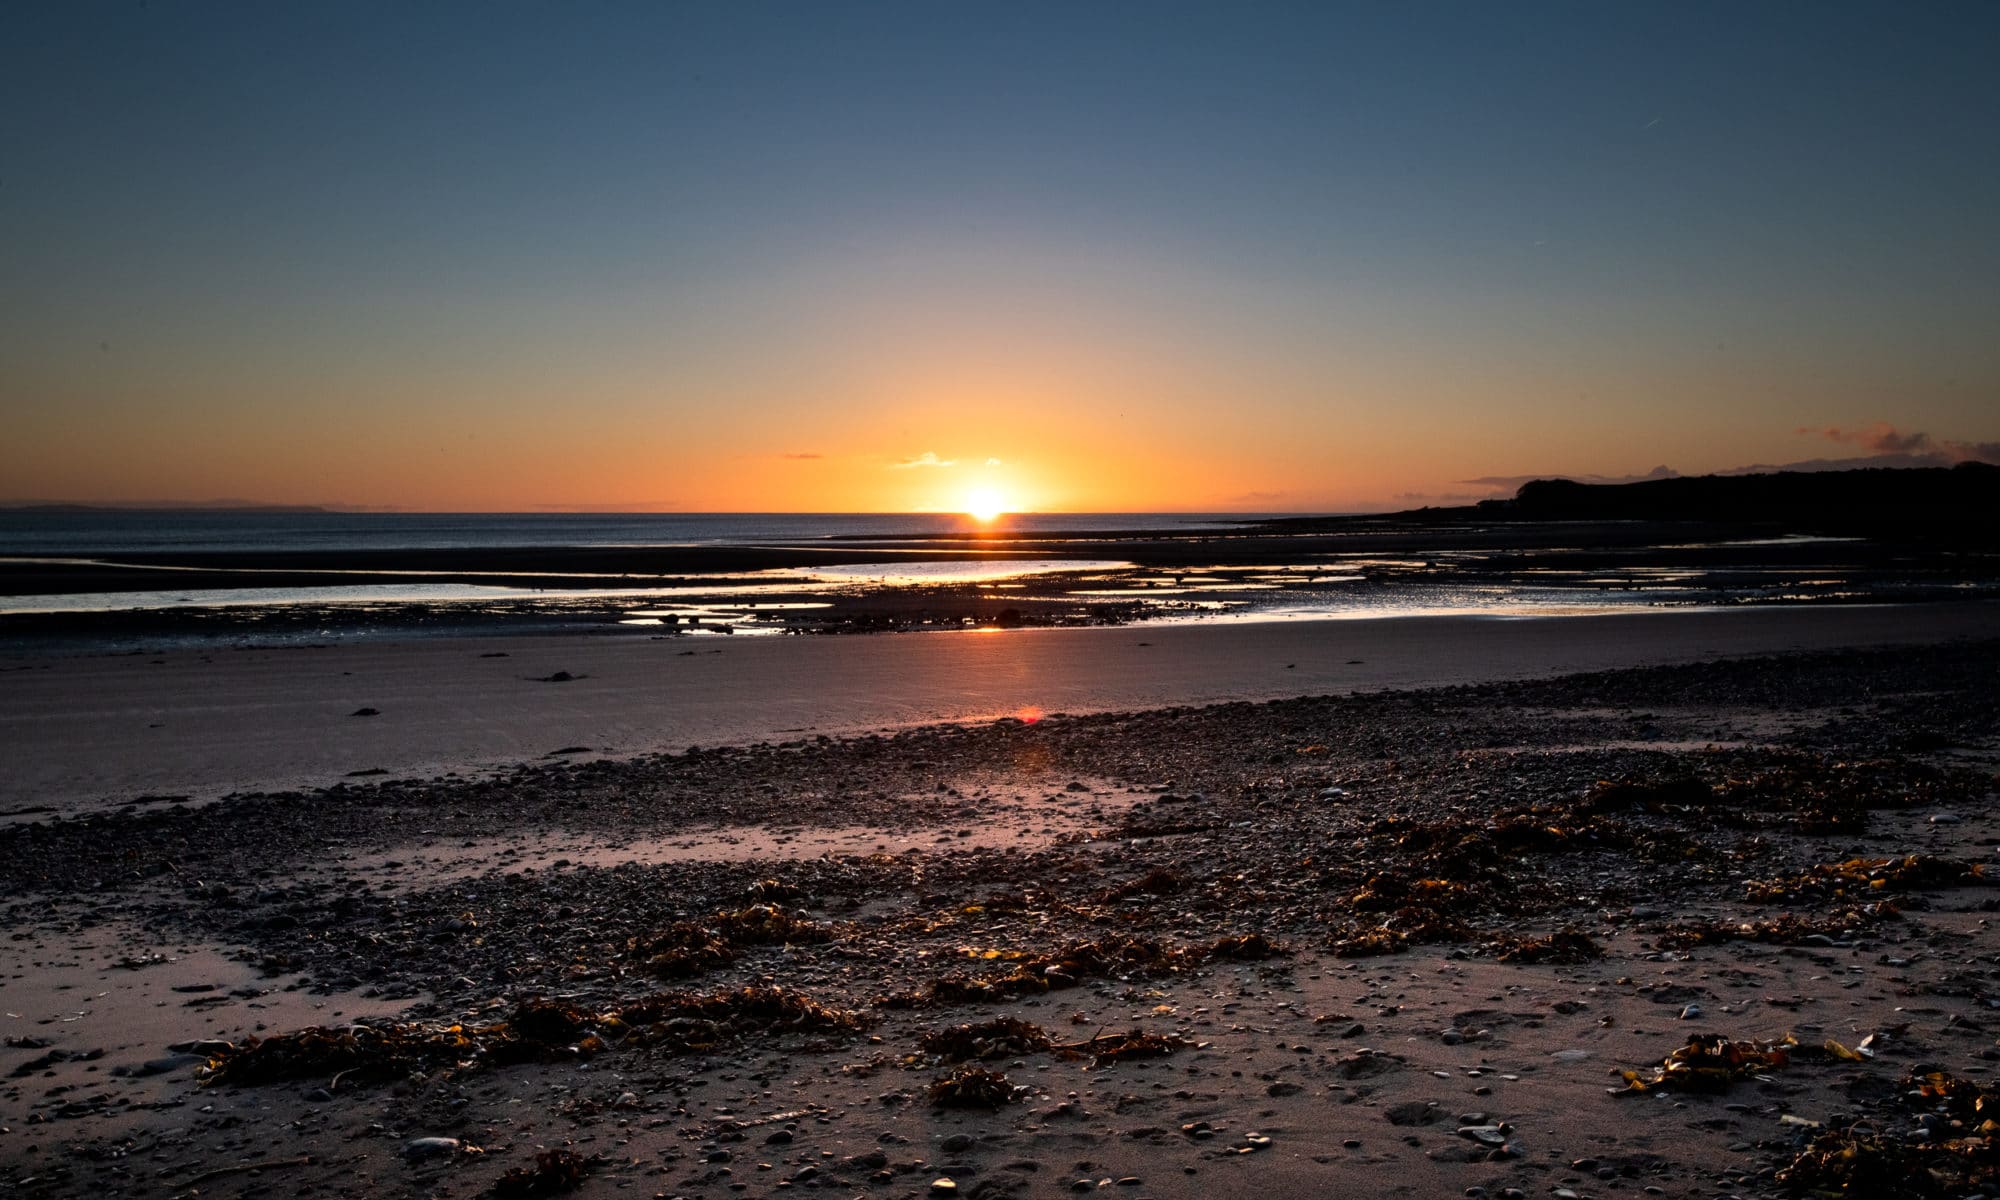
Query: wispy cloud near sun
926	459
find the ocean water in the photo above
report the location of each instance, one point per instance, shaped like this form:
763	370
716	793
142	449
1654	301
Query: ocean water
105	532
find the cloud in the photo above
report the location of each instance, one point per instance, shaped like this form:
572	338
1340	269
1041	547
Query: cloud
1881	437
992	462
1913	448
926	459
801	457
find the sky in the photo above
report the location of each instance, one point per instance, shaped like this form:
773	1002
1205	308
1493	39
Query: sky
1077	256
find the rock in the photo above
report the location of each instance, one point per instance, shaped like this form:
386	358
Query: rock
1412	1112
366	712
161	1065
419	1149
1485	1135
1691	1013
944	1186
958	1143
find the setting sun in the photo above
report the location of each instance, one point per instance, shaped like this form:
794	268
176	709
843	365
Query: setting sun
984	504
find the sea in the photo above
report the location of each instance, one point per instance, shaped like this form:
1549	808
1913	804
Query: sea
99	532
889	550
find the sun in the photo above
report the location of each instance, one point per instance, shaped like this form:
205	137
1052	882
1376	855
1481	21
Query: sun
985	504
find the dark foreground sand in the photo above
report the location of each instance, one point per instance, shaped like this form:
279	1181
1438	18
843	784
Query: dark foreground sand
1297	948
82	731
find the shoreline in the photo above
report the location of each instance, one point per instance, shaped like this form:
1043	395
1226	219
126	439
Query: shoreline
89	732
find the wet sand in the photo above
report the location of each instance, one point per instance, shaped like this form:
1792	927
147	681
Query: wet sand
80	732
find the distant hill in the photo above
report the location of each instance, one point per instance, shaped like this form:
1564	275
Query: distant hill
1872	500
1957	507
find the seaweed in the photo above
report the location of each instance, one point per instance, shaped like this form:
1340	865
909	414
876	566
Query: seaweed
553	1172
689	948
1071	964
536	1031
1117	1047
1868	876
1710	1064
1160	881
1565	947
1858	1159
973	1087
1002	1037
1789	929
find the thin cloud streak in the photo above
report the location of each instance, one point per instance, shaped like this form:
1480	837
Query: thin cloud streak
926	459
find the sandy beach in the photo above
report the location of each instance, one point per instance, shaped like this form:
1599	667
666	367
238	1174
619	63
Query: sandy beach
1397	936
82	731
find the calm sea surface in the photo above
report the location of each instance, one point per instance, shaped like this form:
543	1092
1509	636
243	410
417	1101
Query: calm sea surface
130	532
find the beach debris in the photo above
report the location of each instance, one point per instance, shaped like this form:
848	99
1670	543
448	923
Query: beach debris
1710	1064
973	1087
1243	947
689	948
1110	958
1002	1037
1117	1047
1413	926
536	1031
1953	1149
769	925
1869	876
1160	881
1788	929
771	891
553	1172
681	951
1654	796
1565	947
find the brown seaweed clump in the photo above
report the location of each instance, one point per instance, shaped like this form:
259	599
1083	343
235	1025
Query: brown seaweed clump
681	951
1402	929
1790	929
973	1087
553	1173
683	1022
1710	1064
1110	958
769	925
536	1031
1003	1037
1860	1159
689	948
1117	1047
1868	876
1565	947
1160	881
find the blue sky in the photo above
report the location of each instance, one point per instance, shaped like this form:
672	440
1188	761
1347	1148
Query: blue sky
1319	252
